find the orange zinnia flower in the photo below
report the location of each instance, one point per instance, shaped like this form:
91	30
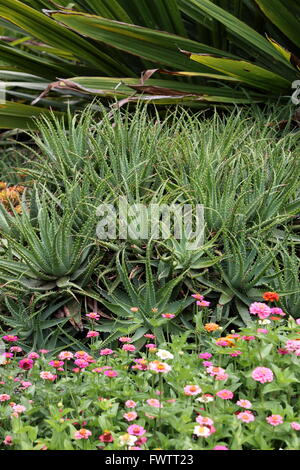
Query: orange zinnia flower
211	327
271	296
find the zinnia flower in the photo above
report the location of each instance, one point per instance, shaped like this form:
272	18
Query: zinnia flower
168	315
205	355
106	352
295	426
245	416
82	434
92	334
106	437
203	303
65	355
271	296
211	327
110	373
225	394
127	439
192	390
130	416
161	367
8	441
136	430
262	375
202	431
4	397
244	403
260	309
154	402
163	354
10	338
274	420
93	315
26	364
128	347
130	404
198	296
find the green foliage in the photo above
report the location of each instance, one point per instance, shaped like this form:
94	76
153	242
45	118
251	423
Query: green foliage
237	167
55	404
246	52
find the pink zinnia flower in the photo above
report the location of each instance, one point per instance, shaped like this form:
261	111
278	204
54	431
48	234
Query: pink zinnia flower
150	346
295	426
154	402
168	315
106	352
93	315
244	403
81	363
81	355
207	364
130	416
26	364
19	408
277	311
92	334
149	335
10	338
248	338
65	355
160	367
225	394
56	364
192	390
82	434
260	309
15	349
47	376
128	347
198	296
214	370
43	351
8	441
125	339
246	416
235	353
110	373
263	331
221	377
298	321
274	420
136	430
205	355
204	421
4	397
26	384
262	375
33	355
220	448
203	303
130	404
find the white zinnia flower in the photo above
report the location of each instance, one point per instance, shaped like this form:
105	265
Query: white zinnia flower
163	354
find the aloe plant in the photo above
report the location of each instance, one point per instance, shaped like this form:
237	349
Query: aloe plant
43	251
137	305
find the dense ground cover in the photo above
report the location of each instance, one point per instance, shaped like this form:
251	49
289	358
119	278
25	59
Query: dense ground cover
54	268
116	328
203	390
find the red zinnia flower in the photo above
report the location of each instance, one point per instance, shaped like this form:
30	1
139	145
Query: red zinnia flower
271	296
